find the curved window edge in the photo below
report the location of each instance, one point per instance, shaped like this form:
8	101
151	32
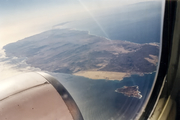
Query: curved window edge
166	48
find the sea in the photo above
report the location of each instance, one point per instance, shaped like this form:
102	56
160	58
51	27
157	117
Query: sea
139	23
97	99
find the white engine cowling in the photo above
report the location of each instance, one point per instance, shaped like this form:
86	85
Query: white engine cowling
36	96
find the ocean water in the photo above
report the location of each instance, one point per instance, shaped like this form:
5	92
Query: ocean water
98	100
139	23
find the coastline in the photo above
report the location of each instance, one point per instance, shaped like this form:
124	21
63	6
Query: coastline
107	75
103	75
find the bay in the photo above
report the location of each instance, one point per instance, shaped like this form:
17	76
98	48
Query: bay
98	100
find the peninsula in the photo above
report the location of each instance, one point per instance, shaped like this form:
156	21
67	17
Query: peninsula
82	54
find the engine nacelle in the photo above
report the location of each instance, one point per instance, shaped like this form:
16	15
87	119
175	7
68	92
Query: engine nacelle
36	96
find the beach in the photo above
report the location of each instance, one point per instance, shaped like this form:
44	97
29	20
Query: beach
103	75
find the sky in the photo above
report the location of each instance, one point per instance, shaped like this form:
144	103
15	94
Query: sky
23	18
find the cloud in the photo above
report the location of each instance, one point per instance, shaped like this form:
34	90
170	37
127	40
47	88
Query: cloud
13	66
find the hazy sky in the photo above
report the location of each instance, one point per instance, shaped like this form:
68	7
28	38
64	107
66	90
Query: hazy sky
23	18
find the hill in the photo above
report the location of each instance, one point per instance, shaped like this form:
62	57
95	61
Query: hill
78	52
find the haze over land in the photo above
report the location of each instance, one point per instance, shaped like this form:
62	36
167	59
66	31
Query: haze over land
80	53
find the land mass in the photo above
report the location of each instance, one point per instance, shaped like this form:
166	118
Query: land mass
80	53
103	75
130	91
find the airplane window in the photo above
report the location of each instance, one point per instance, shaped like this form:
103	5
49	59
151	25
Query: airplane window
104	52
